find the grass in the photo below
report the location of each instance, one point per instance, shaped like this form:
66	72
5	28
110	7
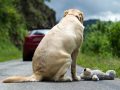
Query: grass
8	51
98	62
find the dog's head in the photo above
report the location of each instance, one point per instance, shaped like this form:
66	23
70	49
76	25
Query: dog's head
76	13
87	71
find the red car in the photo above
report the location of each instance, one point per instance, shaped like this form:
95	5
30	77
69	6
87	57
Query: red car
31	42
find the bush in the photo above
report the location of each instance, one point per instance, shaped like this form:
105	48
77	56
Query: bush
114	37
102	38
96	43
12	24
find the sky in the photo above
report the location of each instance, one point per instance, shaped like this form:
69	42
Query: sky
93	9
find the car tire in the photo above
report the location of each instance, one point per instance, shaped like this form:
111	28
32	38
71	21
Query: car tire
26	58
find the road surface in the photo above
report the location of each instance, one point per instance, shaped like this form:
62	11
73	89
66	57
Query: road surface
18	67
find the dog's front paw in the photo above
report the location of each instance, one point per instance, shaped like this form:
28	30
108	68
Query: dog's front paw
95	78
76	78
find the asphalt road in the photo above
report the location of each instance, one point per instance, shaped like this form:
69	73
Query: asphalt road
24	68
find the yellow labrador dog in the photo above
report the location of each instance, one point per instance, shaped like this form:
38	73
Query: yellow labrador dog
57	51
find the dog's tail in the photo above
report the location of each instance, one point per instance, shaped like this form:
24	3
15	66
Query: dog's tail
18	79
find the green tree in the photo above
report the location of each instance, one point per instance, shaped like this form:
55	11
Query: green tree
103	38
12	25
96	39
96	43
114	36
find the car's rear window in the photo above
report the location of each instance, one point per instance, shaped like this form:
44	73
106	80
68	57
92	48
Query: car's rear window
39	32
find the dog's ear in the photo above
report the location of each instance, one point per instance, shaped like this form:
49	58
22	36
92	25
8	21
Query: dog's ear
65	13
81	17
84	69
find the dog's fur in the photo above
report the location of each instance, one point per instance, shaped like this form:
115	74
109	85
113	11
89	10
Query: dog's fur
96	75
57	51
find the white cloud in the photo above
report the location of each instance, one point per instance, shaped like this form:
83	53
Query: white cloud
98	9
106	16
115	3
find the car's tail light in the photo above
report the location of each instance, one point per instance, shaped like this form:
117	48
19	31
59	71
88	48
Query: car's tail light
34	38
28	39
37	39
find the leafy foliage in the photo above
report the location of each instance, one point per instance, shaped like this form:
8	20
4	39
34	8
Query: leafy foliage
16	16
102	38
14	23
114	37
37	14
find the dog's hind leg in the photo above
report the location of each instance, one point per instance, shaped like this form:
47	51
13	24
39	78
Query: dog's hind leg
60	75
